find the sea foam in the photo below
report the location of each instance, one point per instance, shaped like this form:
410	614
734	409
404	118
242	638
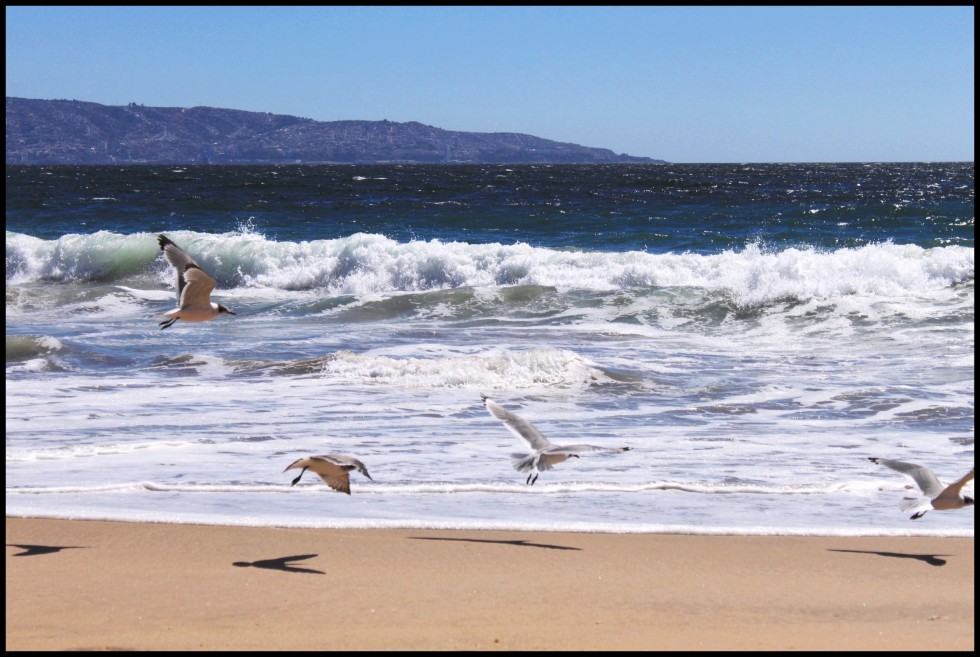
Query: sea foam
368	263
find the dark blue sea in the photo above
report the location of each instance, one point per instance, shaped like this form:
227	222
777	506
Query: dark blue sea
753	332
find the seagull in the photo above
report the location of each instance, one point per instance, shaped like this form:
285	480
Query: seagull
334	469
194	286
546	454
936	495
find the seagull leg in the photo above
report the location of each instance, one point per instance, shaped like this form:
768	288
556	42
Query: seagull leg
296	480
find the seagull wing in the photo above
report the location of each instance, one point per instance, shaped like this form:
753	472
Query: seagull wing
336	475
338	481
295	465
343	460
518	426
524	462
196	287
578	449
177	259
915	504
953	491
922	476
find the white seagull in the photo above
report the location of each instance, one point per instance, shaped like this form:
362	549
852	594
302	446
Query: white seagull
194	286
546	454
334	469
936	495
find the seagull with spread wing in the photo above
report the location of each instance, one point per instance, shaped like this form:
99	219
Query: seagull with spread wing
935	494
546	454
334	469
194	286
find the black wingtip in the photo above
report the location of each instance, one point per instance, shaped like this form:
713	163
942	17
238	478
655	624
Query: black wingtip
164	241
873	459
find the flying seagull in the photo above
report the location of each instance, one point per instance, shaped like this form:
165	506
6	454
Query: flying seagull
194	286
546	454
936	495
334	469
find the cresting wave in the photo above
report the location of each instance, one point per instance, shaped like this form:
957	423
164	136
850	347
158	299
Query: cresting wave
557	368
500	369
363	264
26	347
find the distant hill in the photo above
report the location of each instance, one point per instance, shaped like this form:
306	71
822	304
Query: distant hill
76	132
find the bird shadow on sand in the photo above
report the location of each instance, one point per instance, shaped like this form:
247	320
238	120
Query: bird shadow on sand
518	543
931	559
281	563
34	550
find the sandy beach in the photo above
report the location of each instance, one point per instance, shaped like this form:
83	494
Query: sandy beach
87	585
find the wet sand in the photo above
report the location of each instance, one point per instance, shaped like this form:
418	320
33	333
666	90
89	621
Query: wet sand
88	585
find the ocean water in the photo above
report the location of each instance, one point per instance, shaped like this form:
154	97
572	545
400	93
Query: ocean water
753	332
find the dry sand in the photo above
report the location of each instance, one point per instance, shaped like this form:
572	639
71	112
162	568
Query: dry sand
125	586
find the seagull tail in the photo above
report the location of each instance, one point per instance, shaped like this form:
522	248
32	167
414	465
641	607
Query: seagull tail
915	504
522	462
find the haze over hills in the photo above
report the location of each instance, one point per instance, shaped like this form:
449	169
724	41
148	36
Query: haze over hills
77	132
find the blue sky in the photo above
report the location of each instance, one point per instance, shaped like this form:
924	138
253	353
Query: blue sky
683	84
